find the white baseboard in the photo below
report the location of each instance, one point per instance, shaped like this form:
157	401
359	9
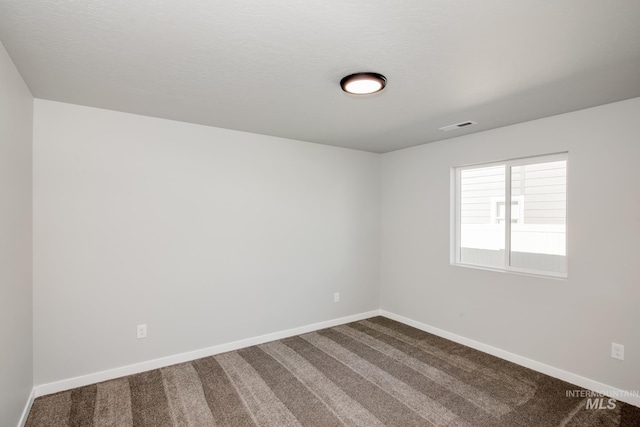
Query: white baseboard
621	395
572	378
27	408
54	387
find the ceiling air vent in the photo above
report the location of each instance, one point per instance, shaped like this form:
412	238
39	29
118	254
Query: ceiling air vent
458	125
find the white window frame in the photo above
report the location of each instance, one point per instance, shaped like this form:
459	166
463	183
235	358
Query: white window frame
456	215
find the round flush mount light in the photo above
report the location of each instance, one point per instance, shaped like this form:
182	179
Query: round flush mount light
363	83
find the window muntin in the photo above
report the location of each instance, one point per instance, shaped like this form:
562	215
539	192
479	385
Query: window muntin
532	192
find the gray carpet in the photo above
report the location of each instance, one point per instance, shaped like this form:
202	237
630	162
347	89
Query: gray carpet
375	372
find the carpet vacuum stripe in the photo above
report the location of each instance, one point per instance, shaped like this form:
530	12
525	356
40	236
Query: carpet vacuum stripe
348	410
187	402
474	395
514	387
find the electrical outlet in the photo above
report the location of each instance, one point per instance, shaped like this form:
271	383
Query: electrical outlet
336	297
617	351
141	331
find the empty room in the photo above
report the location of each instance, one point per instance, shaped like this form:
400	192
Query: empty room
332	213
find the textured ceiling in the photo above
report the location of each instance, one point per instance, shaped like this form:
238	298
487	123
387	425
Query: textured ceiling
273	67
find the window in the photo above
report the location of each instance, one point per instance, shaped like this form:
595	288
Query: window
532	192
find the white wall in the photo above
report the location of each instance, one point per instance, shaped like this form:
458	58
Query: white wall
16	362
568	324
206	235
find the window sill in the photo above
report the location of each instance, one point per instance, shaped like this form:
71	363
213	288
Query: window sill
545	275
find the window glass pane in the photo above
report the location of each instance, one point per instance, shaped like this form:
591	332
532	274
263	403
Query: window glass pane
538	233
482	192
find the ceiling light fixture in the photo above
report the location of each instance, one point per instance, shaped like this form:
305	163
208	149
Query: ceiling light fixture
363	83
